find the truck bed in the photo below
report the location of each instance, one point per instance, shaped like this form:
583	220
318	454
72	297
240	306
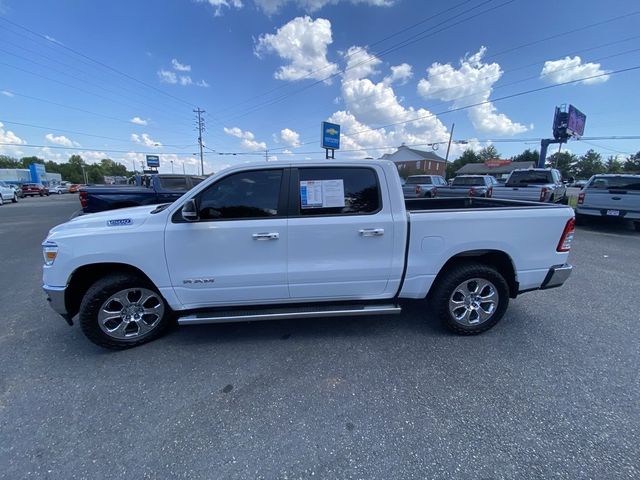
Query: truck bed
469	203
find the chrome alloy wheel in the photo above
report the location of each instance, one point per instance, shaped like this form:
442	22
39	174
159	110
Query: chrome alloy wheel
473	302
131	314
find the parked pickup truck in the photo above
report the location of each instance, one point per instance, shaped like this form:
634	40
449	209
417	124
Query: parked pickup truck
423	186
296	240
534	185
469	186
612	196
152	190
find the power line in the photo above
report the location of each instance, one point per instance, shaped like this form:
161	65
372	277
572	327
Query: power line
403	44
99	150
97	62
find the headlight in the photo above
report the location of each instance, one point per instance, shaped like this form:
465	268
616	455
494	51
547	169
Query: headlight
49	252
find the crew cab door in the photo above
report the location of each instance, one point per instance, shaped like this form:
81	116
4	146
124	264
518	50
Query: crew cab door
236	251
341	236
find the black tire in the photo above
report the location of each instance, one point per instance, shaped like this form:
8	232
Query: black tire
103	290
15	198
637	226
581	220
450	281
564	200
41	194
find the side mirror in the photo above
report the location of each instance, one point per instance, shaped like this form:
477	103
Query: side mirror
190	211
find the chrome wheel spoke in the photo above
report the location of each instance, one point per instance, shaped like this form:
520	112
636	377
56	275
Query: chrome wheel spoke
473	302
131	313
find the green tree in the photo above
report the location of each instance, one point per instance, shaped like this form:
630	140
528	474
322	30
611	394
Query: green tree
109	167
9	162
589	164
527	156
95	173
613	165
488	153
27	161
468	156
632	163
565	162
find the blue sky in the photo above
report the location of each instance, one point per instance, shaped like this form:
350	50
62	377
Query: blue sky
118	79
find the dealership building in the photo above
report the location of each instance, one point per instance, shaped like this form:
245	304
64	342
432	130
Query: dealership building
36	173
411	161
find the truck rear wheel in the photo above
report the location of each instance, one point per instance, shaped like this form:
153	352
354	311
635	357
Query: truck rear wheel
122	311
470	298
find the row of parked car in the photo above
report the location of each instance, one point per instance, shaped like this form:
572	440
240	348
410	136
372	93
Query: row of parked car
614	196
537	184
12	192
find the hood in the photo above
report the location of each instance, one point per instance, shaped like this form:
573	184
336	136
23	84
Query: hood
111	220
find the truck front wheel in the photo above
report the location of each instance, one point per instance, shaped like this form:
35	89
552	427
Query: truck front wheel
470	298
122	311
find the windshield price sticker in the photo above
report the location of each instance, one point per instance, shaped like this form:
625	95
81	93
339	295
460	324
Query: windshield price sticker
322	193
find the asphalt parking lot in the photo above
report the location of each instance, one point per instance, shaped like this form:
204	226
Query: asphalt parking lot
553	391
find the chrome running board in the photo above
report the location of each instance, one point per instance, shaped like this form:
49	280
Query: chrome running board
230	316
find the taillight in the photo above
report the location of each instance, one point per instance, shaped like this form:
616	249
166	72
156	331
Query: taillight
489	192
83	199
580	198
418	189
472	192
543	194
564	245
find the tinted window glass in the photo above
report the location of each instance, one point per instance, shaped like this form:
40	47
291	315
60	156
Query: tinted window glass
196	180
331	191
616	183
173	183
420	180
468	182
530	177
242	195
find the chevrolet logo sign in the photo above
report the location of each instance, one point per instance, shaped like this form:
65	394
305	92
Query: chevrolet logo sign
331	131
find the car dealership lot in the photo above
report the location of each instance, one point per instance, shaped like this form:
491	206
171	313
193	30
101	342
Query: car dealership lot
552	391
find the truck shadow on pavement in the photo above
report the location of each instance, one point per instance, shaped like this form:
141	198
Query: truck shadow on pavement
605	225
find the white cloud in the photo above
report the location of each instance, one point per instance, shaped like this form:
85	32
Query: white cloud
7	93
145	140
360	63
290	137
180	67
218	4
185	80
7	136
400	73
167	76
202	83
248	139
568	69
61	140
471	83
303	43
273	6
138	121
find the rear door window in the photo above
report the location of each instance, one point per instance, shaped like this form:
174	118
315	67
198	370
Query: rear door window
468	182
532	177
173	183
337	191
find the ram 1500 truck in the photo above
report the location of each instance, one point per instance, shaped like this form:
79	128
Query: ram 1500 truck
616	197
153	189
297	240
423	186
469	186
535	185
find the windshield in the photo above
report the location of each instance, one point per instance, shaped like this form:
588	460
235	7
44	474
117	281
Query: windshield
468	182
420	180
530	177
616	183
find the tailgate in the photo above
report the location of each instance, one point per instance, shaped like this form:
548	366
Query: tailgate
612	200
529	193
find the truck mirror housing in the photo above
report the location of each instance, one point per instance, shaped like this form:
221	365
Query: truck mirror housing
190	211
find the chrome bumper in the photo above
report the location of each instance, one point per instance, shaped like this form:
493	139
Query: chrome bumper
55	297
557	275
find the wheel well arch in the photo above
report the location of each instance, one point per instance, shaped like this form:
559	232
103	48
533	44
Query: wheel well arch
83	277
497	259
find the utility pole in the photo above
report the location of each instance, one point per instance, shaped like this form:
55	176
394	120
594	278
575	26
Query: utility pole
199	112
171	166
446	158
266	155
183	170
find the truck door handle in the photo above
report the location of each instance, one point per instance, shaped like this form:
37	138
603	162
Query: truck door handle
266	236
371	232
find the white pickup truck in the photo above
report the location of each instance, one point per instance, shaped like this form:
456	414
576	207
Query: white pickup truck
296	240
